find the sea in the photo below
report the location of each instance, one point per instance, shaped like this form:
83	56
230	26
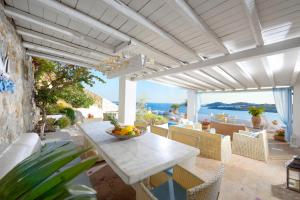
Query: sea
206	113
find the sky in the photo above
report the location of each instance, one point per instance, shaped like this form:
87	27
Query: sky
157	93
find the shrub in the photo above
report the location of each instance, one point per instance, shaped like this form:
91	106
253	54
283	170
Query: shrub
52	109
63	122
70	113
49	127
256	111
153	119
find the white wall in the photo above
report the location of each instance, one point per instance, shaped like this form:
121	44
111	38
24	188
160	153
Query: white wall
127	101
192	105
295	141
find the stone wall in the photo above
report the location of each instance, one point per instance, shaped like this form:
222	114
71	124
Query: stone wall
16	110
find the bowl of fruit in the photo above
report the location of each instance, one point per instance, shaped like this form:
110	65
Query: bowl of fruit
124	132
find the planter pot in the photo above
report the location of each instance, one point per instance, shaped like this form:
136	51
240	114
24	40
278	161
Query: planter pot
256	122
205	127
279	138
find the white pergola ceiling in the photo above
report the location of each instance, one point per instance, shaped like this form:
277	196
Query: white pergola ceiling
197	44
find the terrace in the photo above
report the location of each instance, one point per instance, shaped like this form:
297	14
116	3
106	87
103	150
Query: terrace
201	46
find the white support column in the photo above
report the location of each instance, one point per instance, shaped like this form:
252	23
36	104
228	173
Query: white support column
127	101
192	105
295	138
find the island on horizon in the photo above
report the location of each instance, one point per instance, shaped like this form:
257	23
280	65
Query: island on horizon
240	106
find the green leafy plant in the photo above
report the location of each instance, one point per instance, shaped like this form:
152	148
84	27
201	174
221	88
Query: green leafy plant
63	122
53	109
70	113
40	176
256	111
113	121
54	81
153	119
141	109
175	107
280	132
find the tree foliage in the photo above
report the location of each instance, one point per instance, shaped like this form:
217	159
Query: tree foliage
175	106
55	81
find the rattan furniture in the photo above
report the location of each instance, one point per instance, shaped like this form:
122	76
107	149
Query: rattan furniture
143	193
196	187
159	131
186	136
227	128
246	144
215	146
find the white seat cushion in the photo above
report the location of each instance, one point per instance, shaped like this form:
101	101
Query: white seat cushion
23	147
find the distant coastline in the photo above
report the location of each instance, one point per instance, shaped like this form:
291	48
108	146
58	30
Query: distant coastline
237	110
239	106
242	106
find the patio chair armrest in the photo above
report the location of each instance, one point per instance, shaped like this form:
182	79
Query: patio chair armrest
209	189
226	150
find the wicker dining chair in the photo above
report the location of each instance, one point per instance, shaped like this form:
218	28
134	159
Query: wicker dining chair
209	190
159	131
143	193
195	187
215	146
186	136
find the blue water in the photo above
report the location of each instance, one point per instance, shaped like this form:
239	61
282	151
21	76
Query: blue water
205	112
163	107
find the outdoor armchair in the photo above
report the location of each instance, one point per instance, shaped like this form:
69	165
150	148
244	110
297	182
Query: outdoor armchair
251	145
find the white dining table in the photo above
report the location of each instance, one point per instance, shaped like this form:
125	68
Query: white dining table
137	158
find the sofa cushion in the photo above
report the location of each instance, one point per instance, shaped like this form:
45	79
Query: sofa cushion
23	147
254	134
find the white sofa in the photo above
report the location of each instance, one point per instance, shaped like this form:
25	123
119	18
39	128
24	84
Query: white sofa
24	146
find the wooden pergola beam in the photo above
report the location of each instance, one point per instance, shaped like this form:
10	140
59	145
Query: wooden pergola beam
266	50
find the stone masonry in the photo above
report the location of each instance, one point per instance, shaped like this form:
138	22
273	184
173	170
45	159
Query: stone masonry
17	109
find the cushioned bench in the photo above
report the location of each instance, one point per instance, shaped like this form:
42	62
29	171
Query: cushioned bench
23	147
26	145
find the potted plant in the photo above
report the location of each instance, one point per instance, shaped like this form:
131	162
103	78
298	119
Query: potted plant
279	135
256	113
175	108
205	124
